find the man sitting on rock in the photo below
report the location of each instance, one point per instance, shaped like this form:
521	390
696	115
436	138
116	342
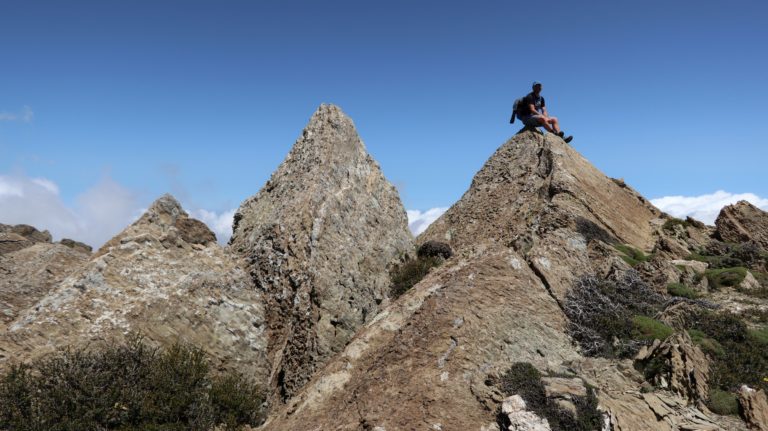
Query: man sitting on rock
533	113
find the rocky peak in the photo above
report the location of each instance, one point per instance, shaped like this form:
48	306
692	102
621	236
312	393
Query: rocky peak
319	239
742	222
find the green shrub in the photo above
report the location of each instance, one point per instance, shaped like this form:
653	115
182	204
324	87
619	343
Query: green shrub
760	336
723	403
631	255
708	345
524	379
129	387
722	277
671	223
409	273
679	289
646	328
600	313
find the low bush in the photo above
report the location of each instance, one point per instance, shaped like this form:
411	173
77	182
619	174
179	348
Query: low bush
407	274
708	345
592	232
129	386
742	358
631	255
600	314
723	403
670	224
524	379
434	249
679	289
648	329
725	277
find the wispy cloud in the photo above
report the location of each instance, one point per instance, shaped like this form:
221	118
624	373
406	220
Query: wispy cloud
705	207
419	221
25	115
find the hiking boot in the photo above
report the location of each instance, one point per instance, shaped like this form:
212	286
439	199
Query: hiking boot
568	139
560	133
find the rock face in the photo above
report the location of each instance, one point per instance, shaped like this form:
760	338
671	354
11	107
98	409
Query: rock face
150	279
319	239
536	217
754	405
742	222
683	367
13	238
28	274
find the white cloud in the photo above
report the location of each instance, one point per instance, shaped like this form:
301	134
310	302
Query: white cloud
98	214
705	207
26	115
220	224
419	221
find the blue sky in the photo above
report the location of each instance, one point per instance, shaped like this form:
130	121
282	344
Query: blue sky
203	99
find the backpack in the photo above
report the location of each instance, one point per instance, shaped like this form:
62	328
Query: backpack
517	109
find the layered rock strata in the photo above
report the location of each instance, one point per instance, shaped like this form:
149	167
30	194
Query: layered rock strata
743	222
319	239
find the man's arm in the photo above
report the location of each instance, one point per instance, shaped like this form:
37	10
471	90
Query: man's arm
532	109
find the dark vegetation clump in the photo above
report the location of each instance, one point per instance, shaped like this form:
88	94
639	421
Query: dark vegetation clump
723	403
725	277
524	379
592	232
670	224
410	272
738	354
722	255
435	249
127	387
613	317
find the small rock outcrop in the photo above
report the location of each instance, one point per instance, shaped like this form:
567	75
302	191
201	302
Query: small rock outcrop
17	237
754	407
678	365
742	222
319	239
520	419
149	279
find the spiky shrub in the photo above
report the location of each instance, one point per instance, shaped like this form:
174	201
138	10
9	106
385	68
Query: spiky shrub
407	274
524	379
601	311
129	387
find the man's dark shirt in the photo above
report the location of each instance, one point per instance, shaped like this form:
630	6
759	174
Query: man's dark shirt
531	99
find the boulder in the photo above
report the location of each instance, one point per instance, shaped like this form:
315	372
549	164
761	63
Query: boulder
76	245
742	222
520	419
320	238
754	407
678	365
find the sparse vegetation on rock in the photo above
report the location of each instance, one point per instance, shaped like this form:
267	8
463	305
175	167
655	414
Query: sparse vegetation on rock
410	272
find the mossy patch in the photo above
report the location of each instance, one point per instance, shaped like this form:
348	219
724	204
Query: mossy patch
708	345
631	255
723	402
725	277
681	290
646	328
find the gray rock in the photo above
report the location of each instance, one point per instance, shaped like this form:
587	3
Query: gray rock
319	239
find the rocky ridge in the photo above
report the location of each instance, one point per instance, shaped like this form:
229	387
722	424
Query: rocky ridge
536	218
164	277
319	239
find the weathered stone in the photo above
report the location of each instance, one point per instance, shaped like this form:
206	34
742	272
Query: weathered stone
77	245
695	265
742	222
519	418
754	407
135	283
10	242
194	231
749	283
682	367
320	238
31	233
30	273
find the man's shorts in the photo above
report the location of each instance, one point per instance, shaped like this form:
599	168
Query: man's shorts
533	120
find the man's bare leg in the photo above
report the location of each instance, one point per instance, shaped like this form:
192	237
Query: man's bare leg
555	124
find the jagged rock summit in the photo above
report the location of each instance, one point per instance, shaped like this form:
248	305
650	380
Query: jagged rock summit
743	222
319	239
537	217
165	277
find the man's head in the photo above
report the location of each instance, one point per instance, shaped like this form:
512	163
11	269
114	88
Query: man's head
536	87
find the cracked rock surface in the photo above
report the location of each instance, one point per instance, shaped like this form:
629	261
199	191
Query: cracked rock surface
319	239
536	217
163	276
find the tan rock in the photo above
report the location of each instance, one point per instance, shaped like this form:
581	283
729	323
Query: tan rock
685	370
519	418
142	281
77	245
30	273
10	242
754	406
750	283
695	265
742	222
320	238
